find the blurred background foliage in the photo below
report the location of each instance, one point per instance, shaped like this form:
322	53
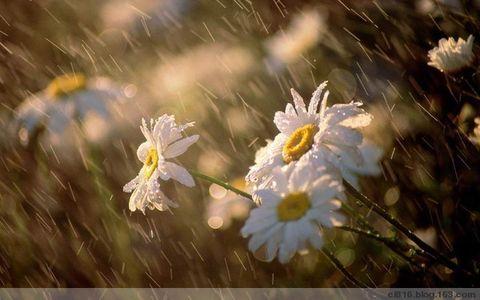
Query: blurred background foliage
228	65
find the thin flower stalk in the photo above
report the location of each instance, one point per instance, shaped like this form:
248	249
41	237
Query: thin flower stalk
392	243
342	269
221	183
407	232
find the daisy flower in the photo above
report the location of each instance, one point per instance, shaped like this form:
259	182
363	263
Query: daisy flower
329	132
303	33
301	201
68	97
164	141
451	56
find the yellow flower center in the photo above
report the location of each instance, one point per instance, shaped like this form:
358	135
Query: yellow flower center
299	142
293	207
151	162
66	84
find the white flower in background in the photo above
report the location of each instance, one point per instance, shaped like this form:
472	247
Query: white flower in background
331	133
451	56
68	97
439	7
189	71
475	138
435	6
164	141
144	16
225	206
301	201
304	32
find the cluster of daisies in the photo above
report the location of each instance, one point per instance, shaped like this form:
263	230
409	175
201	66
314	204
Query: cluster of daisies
297	181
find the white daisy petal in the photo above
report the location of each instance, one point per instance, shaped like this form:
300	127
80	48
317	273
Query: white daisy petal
289	244
267	159
131	185
163	141
331	219
266	195
259	238
349	115
180	174
316	239
255	224
179	147
340	135
298	101
316	99
138	197
273	244
452	56
288	221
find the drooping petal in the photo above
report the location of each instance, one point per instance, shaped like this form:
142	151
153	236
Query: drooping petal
179	147
138	197
179	173
168	131
131	185
161	202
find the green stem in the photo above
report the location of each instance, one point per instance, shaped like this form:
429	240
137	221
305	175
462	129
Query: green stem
342	269
407	232
221	183
361	220
392	244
